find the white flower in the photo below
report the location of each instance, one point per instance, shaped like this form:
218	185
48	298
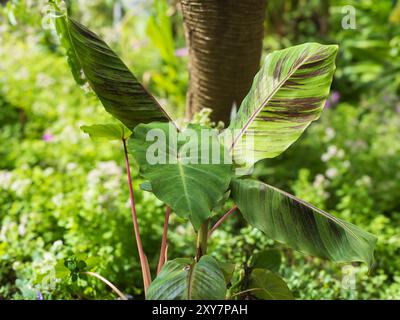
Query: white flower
57	244
5	179
331	173
330	153
330	133
340	154
86	87
19	186
43	80
318	181
71	166
48	171
57	199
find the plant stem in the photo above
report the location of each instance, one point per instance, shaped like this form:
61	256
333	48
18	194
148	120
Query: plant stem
143	259
222	219
163	250
248	290
107	282
202	237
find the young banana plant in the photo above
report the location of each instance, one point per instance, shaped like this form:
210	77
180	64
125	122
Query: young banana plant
288	93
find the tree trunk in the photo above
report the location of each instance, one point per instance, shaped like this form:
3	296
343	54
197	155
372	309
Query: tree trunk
225	43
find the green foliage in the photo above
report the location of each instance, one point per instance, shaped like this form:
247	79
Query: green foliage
118	89
287	94
107	131
266	285
61	193
266	259
183	279
180	168
288	219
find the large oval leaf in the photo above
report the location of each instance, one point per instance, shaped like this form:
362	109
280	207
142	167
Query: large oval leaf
287	219
183	279
118	89
188	182
287	94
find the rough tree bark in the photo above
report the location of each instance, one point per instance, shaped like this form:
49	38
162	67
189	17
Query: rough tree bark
225	42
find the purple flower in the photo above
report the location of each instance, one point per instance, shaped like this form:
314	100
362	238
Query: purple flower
182	52
327	104
335	97
333	100
39	295
47	137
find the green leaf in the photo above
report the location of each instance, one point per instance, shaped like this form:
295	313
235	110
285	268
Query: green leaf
146	186
183	279
159	30
285	218
107	131
118	89
268	286
61	270
266	259
227	269
177	172
287	94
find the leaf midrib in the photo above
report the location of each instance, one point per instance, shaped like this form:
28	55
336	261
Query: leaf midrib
259	109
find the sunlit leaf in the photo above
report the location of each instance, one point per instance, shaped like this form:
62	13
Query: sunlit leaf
107	131
287	94
287	219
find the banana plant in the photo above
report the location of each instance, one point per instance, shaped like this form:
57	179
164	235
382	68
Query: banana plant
194	173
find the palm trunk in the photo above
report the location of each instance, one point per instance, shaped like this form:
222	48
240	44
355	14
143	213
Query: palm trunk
225	41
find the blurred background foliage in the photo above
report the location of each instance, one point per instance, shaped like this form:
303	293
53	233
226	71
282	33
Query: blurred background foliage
62	194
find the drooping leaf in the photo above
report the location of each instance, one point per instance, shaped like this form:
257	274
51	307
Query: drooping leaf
269	286
287	94
118	89
183	279
285	218
266	259
180	169
107	131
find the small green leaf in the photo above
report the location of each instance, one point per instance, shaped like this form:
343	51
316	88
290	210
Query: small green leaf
92	262
227	269
107	131
266	259
81	265
184	279
61	270
267	285
70	264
